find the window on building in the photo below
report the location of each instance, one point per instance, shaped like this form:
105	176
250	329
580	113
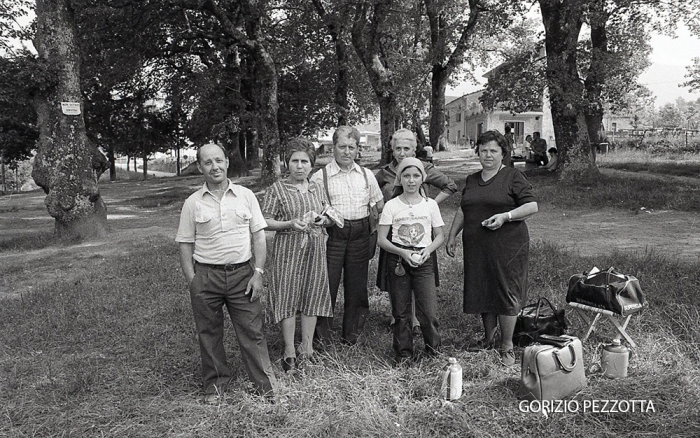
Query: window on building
614	126
459	117
459	134
479	129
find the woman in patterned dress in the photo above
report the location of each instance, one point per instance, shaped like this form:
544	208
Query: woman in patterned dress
294	208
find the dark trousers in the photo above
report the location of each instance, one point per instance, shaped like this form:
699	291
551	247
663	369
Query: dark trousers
211	289
347	254
421	281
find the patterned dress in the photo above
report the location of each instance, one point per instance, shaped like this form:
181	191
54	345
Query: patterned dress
299	279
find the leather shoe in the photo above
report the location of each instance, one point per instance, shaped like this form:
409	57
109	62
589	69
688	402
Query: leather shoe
289	364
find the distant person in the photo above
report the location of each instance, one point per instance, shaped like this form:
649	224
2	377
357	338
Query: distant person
553	163
495	240
551	166
428	153
352	190
222	253
297	210
413	220
539	148
510	140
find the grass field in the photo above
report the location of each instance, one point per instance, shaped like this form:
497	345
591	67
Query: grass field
112	352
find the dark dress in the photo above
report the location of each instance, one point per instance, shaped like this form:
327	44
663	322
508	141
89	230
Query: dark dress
495	262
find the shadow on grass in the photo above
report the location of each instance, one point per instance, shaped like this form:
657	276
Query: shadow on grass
620	191
663	168
29	241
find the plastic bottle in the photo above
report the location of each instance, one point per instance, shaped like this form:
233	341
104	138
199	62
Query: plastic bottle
615	359
452	380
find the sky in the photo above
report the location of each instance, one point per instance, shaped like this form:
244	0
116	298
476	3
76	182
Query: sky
669	59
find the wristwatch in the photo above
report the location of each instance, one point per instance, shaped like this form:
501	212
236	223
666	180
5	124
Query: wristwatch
260	270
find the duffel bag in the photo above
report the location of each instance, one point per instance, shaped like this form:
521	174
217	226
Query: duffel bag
609	290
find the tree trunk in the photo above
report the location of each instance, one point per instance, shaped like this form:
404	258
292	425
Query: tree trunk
597	71
562	21
64	166
341	85
4	183
438	84
145	162
112	163
267	105
236	165
387	122
177	157
251	149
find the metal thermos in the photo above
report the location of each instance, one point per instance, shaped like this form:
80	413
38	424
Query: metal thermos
615	359
452	380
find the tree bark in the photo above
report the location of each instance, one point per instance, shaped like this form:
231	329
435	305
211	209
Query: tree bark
267	105
112	163
445	62
66	166
236	164
145	162
367	45
562	21
336	29
597	71
438	83
387	122
251	149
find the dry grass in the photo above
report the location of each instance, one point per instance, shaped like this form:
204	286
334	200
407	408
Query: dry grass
674	164
113	353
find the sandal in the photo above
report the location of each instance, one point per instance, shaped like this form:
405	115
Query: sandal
289	364
508	357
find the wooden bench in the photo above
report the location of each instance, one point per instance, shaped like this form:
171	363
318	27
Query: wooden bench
620	322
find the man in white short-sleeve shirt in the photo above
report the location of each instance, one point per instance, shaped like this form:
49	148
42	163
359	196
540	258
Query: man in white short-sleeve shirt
221	233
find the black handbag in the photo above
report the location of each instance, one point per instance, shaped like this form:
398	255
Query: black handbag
540	318
609	290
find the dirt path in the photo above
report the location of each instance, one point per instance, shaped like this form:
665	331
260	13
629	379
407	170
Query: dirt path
144	210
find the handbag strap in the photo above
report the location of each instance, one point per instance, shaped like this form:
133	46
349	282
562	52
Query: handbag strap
539	303
574	359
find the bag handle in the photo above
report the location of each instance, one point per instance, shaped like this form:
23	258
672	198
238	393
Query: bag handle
539	303
564	366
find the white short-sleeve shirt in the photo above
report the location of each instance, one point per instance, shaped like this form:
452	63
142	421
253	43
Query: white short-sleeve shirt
411	225
221	230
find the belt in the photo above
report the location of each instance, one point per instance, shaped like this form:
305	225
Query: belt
226	267
356	221
410	248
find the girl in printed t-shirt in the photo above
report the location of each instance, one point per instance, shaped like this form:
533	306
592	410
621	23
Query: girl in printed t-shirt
412	218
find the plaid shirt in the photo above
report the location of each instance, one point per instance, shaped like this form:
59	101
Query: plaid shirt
348	190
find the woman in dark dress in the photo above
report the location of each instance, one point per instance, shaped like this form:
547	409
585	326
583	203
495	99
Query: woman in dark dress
495	202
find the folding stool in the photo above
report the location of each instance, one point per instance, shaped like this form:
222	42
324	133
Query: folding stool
620	322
